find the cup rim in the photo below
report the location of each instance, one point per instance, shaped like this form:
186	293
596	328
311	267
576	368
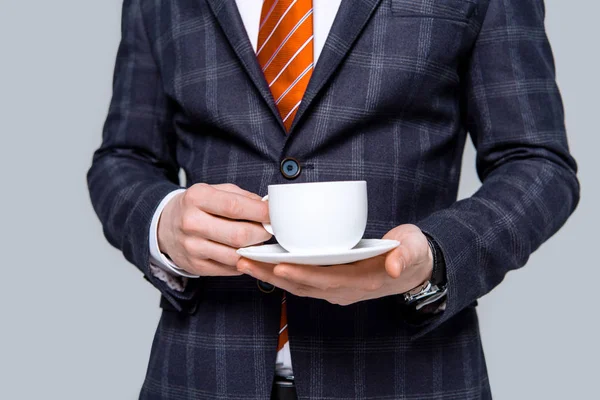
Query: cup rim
317	183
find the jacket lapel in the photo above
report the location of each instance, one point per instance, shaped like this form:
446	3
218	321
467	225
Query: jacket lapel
351	18
228	17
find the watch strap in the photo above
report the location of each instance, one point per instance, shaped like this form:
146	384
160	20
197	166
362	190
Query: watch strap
438	275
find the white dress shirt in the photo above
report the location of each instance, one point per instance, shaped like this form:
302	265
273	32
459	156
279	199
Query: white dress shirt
324	12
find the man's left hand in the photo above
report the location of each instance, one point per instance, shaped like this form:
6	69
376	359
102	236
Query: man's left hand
402	269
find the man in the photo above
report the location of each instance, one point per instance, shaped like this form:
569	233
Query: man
243	94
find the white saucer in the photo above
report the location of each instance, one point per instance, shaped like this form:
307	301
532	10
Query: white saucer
275	254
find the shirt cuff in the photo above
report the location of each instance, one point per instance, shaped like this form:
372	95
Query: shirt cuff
157	258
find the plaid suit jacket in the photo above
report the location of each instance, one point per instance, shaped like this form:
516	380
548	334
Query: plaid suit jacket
397	88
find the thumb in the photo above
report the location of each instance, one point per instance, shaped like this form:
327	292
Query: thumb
396	262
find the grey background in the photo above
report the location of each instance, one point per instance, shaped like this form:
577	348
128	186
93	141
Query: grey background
77	321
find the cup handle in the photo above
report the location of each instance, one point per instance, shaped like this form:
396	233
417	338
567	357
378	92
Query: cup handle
267	227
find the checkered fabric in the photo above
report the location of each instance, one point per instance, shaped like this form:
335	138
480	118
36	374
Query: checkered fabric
396	90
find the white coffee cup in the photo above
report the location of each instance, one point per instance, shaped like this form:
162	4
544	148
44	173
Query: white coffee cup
321	217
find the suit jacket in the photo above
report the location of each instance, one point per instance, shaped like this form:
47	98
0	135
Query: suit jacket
398	86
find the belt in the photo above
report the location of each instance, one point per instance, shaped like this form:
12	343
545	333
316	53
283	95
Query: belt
283	389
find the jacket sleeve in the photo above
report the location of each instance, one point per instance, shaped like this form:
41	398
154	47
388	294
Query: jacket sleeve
515	117
135	166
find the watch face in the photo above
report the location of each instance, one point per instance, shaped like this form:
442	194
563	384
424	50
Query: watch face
420	289
432	298
426	294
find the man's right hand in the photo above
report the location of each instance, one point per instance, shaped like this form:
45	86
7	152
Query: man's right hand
201	228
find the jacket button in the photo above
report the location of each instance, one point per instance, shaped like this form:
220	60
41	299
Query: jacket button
265	287
290	168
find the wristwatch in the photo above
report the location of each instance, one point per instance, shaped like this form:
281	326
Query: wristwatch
435	288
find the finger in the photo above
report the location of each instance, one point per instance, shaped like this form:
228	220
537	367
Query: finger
231	188
212	268
200	248
236	234
413	249
400	258
365	275
227	204
395	263
264	272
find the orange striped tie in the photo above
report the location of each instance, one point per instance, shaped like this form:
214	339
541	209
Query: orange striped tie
285	52
283	333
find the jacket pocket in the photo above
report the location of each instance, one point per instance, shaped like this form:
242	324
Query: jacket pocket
454	10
